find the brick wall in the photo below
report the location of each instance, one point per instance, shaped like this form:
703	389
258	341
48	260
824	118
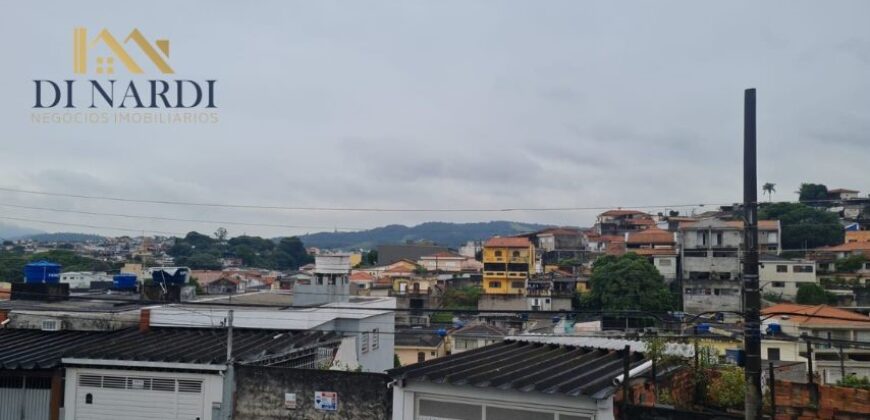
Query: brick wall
793	402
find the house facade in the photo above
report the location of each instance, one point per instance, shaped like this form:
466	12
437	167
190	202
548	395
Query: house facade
711	264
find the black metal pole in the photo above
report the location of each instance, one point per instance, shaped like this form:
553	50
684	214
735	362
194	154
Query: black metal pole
751	295
772	392
626	368
842	364
811	378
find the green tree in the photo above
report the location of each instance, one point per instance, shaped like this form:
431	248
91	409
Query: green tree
813	294
627	282
804	226
461	297
850	264
728	390
813	193
769	188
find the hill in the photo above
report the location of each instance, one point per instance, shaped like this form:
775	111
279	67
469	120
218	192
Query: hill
64	237
10	232
449	234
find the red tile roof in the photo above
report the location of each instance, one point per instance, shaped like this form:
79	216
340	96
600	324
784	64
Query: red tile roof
851	246
508	242
361	276
614	213
804	315
651	236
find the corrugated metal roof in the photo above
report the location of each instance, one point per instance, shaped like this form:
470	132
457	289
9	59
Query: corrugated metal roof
35	349
527	367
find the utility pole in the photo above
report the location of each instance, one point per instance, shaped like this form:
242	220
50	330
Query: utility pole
751	294
229	373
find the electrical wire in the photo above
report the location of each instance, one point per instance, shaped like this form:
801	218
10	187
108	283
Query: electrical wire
173	219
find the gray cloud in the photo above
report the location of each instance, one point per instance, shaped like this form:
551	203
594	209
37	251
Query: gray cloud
449	104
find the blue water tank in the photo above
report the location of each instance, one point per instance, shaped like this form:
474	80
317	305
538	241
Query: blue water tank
42	272
442	332
124	281
774	329
703	328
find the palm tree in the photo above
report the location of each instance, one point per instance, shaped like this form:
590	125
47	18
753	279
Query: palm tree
769	189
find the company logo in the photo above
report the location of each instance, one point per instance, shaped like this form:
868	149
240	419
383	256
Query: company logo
106	64
101	53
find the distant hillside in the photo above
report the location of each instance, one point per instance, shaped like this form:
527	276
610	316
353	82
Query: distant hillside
63	237
9	232
449	234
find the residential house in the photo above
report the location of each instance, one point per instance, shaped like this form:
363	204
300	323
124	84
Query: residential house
617	222
551	291
361	283
659	246
842	194
388	254
827	327
513	379
414	345
475	336
710	255
447	262
507	264
471	249
138	372
783	276
330	282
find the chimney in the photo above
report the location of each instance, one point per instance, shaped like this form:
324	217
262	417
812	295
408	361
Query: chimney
144	320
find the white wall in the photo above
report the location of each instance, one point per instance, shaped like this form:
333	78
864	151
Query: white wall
212	390
405	400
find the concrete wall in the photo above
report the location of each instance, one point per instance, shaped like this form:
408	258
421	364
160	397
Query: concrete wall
502	302
260	394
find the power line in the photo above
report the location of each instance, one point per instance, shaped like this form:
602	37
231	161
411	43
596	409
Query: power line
173	219
124	229
346	209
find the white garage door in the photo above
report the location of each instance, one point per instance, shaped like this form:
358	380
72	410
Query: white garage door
24	398
104	397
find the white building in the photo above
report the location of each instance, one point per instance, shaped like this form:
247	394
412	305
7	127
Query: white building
782	276
83	279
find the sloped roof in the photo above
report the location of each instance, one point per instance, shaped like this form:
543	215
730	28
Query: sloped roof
616	213
851	246
361	276
732	224
508	242
525	367
443	254
37	349
651	236
480	330
417	337
807	315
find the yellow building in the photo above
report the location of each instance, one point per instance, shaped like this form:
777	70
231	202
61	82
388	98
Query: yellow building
507	264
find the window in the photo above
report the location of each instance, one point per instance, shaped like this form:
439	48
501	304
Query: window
803	269
421	357
364	342
782	269
777	284
497	254
495	284
432	353
718	239
665	263
515	254
772	353
376	333
518	284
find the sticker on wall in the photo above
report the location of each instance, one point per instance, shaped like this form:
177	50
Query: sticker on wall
289	400
326	400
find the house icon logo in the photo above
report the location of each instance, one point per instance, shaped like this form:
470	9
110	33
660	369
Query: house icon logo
158	53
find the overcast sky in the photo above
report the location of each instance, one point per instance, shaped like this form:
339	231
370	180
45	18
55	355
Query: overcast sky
457	104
